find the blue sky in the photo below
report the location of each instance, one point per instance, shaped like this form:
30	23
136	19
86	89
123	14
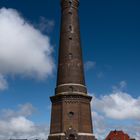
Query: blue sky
110	36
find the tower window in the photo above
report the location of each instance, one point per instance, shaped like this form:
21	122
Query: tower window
71	114
70	2
71	137
70	57
70	11
70	28
71	89
70	38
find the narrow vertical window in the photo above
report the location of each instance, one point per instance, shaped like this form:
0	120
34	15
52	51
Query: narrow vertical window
70	28
70	55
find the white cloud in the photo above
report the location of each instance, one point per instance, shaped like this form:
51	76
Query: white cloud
24	50
100	75
122	85
15	124
99	125
89	65
133	130
21	127
23	110
45	25
3	83
119	105
26	109
116	110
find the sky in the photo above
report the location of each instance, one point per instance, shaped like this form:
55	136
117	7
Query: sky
29	41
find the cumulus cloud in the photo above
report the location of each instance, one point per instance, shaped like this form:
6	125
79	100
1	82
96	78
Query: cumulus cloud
45	25
3	83
22	110
21	127
15	124
116	110
99	125
89	65
120	87
119	105
24	50
100	75
132	129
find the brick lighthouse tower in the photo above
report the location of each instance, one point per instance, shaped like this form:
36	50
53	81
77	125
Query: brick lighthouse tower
71	112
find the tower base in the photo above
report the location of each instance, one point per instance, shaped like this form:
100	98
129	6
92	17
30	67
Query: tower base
71	117
71	137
